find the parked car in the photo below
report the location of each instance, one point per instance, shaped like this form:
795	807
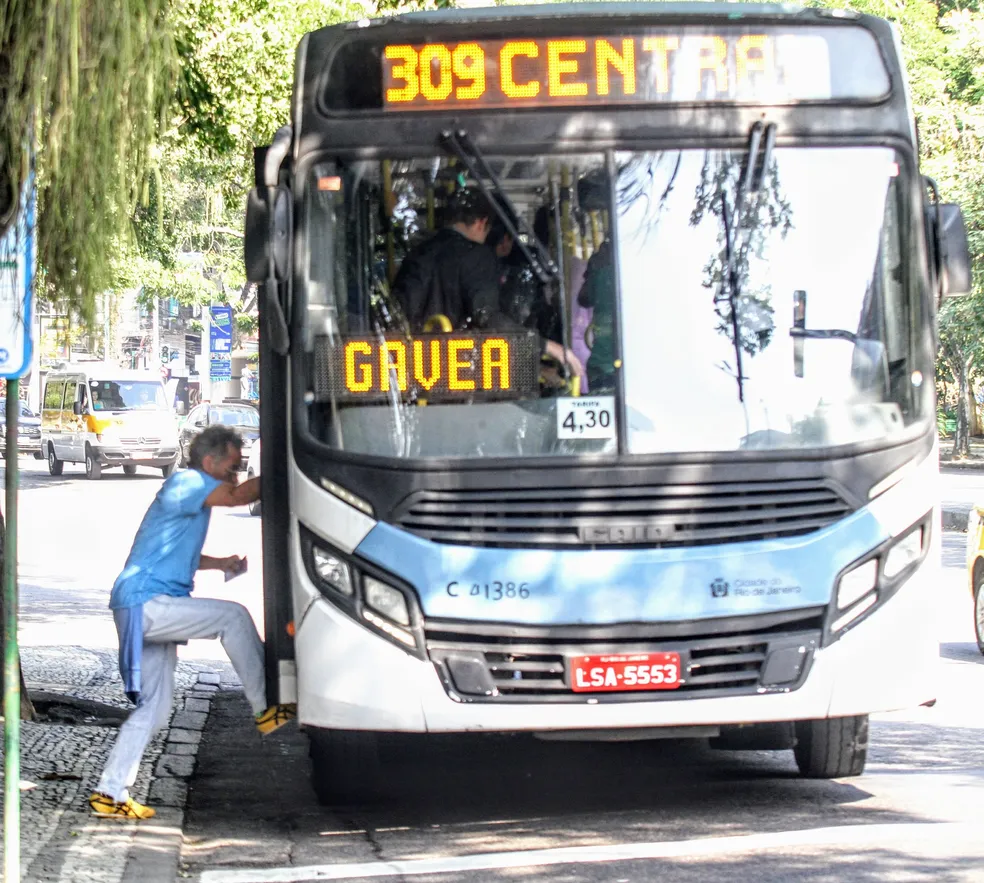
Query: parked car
244	418
252	470
975	569
28	430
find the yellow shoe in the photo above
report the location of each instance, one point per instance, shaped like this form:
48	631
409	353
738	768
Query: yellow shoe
107	808
275	717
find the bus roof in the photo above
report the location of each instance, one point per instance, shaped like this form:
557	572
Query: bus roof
338	90
638	7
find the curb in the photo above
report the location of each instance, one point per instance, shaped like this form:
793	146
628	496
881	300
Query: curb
155	852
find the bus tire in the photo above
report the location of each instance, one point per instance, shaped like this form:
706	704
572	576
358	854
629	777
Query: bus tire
55	466
345	766
168	471
832	748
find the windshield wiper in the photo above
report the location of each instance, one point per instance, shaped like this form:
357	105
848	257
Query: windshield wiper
751	181
463	148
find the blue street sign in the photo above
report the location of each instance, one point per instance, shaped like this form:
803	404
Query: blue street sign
220	369
17	264
220	330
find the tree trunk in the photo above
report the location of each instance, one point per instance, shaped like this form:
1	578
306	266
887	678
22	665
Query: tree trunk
26	706
961	438
974	421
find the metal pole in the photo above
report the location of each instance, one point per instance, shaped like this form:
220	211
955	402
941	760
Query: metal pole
11	653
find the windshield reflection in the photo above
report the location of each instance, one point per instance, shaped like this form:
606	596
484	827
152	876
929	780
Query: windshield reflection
815	299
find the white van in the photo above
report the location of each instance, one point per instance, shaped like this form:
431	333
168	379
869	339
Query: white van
105	416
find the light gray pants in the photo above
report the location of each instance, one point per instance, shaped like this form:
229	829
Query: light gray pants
166	623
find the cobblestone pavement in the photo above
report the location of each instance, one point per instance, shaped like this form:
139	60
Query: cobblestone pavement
61	761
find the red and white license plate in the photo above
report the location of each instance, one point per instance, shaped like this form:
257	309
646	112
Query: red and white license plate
618	672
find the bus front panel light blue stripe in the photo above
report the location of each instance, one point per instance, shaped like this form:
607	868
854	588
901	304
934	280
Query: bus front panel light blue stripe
612	585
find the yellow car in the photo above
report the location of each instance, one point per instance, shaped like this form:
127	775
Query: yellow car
975	568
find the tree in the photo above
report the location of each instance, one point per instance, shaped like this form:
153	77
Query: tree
83	87
240	60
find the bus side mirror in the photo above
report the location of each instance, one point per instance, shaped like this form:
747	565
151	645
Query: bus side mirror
956	277
267	255
256	243
266	244
77	409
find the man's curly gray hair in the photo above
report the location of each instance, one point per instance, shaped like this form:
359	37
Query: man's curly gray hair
213	442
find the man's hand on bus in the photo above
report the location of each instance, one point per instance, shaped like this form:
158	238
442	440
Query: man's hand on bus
556	351
232	564
229	494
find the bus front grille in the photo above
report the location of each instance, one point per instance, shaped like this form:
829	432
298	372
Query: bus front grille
500	663
608	517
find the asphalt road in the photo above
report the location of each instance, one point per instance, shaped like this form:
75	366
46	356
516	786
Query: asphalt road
501	809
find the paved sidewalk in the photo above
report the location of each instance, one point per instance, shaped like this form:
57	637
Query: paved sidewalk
80	695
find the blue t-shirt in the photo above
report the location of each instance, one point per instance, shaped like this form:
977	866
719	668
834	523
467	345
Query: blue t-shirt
169	542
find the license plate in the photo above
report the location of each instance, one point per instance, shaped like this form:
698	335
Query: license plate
620	672
142	455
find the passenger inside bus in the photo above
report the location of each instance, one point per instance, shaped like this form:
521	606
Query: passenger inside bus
457	275
598	294
522	297
453	274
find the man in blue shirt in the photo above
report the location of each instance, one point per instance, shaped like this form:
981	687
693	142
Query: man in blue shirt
154	611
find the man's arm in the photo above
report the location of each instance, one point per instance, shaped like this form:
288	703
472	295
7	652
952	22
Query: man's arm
228	494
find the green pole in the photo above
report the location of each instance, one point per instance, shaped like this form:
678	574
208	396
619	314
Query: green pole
11	654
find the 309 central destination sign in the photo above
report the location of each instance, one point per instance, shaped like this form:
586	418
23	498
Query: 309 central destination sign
683	64
434	367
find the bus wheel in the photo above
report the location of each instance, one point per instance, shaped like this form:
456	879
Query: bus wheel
168	471
832	748
93	468
345	766
55	466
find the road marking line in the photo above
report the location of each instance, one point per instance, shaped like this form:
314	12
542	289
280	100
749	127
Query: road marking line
845	835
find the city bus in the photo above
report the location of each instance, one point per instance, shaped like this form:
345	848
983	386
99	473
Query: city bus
716	514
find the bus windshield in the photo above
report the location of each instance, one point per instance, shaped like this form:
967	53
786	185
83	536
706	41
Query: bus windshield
786	324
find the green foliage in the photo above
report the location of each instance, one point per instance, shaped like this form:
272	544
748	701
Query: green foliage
86	83
236	76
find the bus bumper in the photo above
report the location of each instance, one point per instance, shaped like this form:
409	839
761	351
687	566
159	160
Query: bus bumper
348	678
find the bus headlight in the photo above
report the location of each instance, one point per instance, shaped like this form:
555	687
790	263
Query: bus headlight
332	570
905	552
873	580
855	584
386	600
369	596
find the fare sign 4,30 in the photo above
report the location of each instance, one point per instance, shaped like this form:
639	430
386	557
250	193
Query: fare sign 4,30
613	673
